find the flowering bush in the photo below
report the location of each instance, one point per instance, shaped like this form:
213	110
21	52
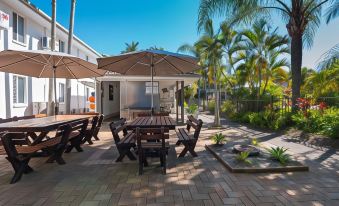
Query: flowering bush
304	104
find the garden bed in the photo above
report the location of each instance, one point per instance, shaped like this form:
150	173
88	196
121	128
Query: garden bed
258	164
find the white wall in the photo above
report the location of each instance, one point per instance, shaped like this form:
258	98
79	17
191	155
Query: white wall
37	26
111	107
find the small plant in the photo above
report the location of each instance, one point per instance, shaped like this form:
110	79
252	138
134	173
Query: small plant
192	109
218	138
243	157
255	142
279	154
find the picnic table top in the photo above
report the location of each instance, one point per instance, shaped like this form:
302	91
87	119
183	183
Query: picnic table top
152	122
43	124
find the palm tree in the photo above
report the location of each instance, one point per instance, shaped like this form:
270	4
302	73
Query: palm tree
302	19
51	104
193	50
69	50
133	46
210	48
330	59
156	48
266	46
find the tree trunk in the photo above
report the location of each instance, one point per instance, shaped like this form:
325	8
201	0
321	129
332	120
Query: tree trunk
296	62
70	42
51	109
216	109
204	99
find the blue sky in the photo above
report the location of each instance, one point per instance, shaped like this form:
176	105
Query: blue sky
107	24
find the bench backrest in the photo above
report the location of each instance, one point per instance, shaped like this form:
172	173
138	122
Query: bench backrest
79	125
116	127
194	123
152	134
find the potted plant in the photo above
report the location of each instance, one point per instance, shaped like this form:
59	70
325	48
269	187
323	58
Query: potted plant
193	110
218	139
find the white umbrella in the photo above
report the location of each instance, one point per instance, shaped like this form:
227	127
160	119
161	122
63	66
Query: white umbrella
149	62
47	64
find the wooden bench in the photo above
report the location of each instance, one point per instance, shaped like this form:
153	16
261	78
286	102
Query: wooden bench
125	143
77	135
187	137
90	130
98	127
152	139
19	155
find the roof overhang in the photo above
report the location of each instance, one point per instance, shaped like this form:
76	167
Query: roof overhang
183	77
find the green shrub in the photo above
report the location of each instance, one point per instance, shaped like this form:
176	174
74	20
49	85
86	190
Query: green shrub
279	154
211	106
192	109
218	138
326	122
243	157
228	107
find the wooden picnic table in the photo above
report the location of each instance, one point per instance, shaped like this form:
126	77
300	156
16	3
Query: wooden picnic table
42	125
152	122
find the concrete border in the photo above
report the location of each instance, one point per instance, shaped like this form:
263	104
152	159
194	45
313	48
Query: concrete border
302	168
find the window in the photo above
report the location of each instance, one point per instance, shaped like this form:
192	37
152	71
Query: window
61	46
61	92
18	28
87	58
19	90
149	87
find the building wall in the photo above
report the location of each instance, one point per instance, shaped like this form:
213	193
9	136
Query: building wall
36	26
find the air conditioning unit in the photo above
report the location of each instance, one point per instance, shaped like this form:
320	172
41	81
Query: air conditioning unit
45	42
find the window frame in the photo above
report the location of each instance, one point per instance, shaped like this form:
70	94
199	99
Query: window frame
148	84
63	92
63	44
15	38
25	103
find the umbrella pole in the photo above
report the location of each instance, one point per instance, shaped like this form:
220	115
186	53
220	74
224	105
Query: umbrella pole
55	94
152	69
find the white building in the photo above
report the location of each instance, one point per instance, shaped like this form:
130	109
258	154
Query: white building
25	27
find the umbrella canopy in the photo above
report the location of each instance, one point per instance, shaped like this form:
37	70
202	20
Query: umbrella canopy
139	63
47	64
42	64
149	62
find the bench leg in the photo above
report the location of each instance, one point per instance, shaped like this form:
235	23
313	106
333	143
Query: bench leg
19	168
95	134
189	147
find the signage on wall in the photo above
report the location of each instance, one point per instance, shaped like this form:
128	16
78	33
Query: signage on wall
4	20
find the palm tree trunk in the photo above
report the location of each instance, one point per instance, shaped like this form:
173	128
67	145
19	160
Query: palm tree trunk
51	104
216	109
204	100
70	42
296	62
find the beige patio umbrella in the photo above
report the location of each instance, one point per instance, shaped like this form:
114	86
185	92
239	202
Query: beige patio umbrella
47	64
149	62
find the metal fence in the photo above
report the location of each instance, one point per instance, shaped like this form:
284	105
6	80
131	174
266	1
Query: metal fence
282	104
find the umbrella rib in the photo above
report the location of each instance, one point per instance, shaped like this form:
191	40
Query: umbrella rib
57	64
84	66
69	69
174	66
185	60
116	61
47	60
32	58
162	59
135	64
43	69
16	62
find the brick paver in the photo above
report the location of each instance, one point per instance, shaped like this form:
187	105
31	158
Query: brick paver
93	178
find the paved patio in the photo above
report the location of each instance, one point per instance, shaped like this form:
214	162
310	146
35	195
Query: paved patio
93	178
